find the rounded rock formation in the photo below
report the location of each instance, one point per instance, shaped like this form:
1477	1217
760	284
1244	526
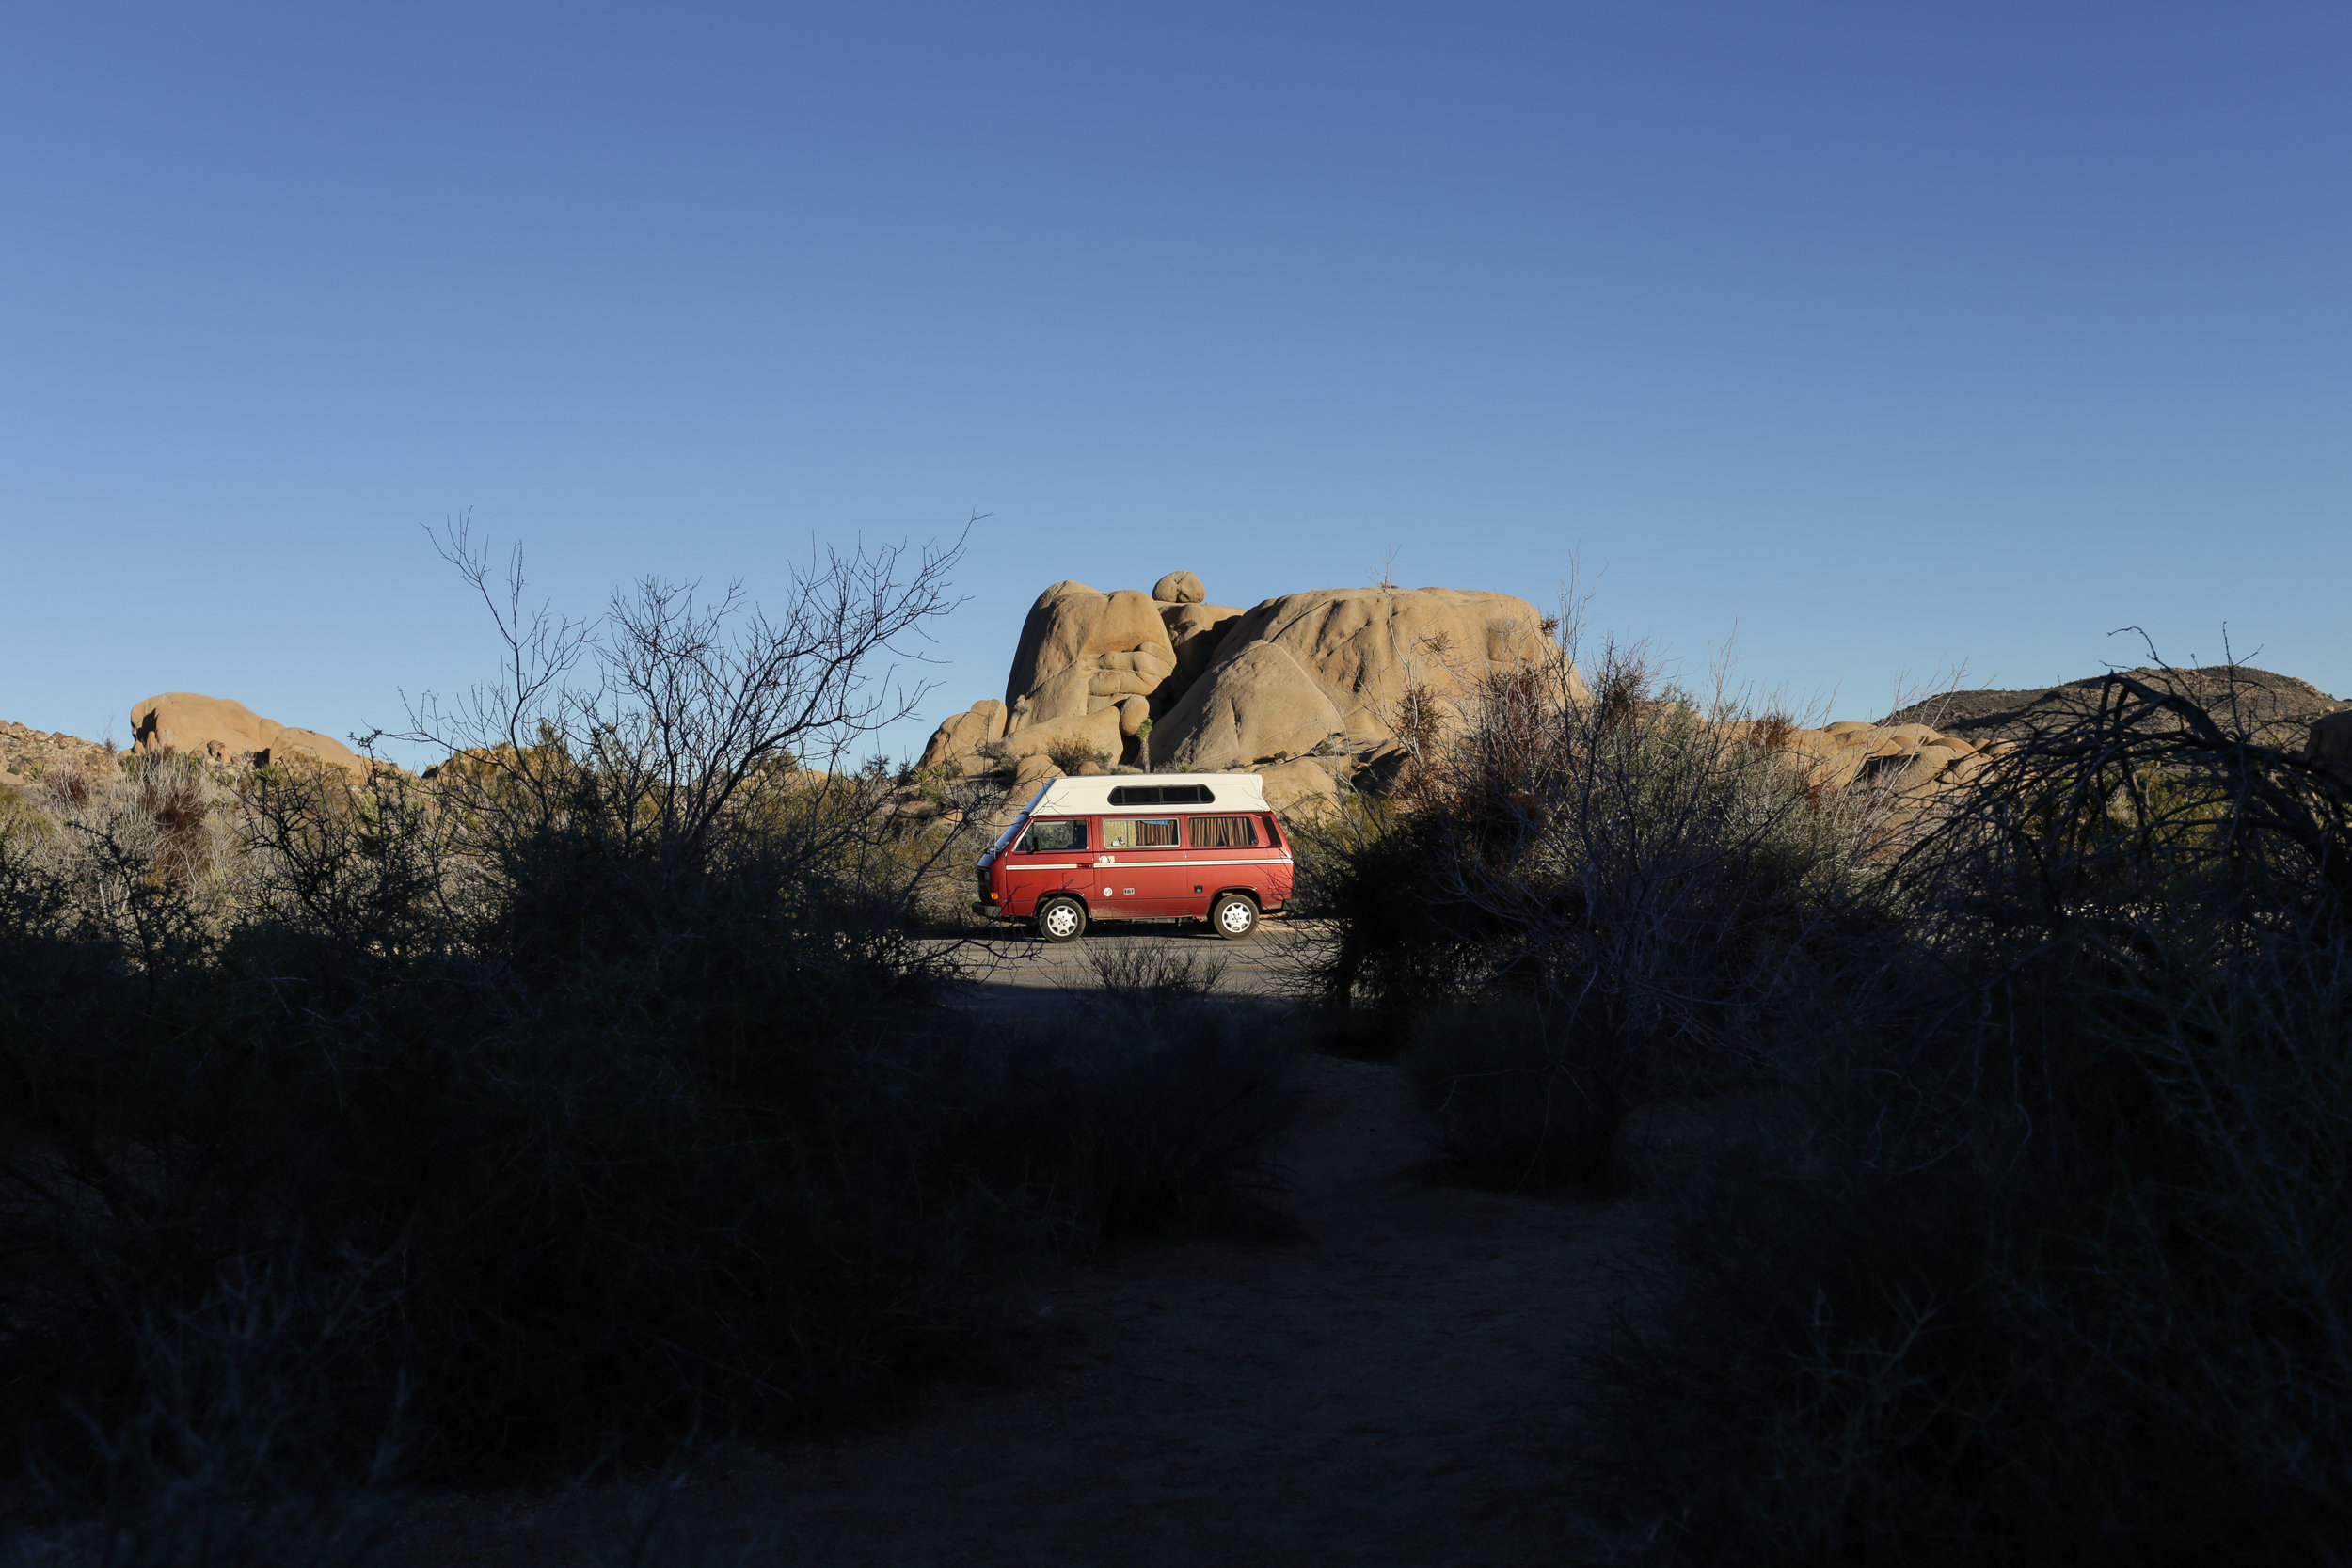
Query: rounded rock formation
1352	660
1081	651
1178	587
959	738
227	731
1095	733
1196	631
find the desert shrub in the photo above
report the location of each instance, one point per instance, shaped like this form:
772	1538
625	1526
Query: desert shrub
1642	892
2036	1342
229	1454
1144	974
1154	1111
2018	1230
594	1094
2055	1267
607	1085
1522	1099
1072	755
17	813
932	858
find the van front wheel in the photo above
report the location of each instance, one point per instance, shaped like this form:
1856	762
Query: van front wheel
1232	916
1061	920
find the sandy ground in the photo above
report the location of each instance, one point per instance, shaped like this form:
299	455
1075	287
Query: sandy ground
1019	974
1384	1389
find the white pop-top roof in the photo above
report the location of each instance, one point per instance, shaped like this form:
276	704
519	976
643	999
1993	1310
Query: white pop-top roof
1093	794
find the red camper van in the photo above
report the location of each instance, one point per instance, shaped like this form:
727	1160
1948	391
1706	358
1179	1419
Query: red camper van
1139	847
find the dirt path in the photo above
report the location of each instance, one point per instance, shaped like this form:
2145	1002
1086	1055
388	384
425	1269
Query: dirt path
1018	976
1384	1390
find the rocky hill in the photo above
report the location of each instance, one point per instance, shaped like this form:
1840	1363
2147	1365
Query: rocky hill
216	728
1308	690
27	754
227	731
1312	690
2278	707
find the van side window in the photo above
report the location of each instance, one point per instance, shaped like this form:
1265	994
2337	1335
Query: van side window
1224	832
1140	832
1053	838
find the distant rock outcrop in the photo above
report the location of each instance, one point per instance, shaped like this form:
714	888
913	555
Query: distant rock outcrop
2276	709
1326	692
964	734
1931	745
1914	762
1343	667
230	731
1169	680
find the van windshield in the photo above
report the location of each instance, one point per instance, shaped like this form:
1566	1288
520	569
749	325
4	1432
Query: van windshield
1058	836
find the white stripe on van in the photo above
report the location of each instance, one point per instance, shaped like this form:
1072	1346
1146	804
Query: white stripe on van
1269	859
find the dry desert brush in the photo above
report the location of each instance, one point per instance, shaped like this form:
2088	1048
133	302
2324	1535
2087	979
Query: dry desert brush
2018	1224
2058	1268
588	1095
1581	901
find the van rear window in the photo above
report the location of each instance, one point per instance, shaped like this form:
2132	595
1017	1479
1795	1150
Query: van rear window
1224	832
1162	795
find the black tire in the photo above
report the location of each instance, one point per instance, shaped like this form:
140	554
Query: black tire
1232	916
1061	919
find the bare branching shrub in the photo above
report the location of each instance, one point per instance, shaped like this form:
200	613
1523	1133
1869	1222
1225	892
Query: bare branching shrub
590	1094
614	770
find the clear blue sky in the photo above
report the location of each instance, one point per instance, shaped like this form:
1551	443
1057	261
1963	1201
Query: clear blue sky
1888	335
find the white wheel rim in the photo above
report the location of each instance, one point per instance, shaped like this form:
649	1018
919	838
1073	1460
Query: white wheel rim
1061	920
1236	916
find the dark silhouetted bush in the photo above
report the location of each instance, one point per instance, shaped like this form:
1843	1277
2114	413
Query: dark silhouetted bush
2020	1228
590	1096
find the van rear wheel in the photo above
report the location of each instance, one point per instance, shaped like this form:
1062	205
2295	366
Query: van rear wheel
1232	916
1061	920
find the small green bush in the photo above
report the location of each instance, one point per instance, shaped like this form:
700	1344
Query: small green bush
1071	755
